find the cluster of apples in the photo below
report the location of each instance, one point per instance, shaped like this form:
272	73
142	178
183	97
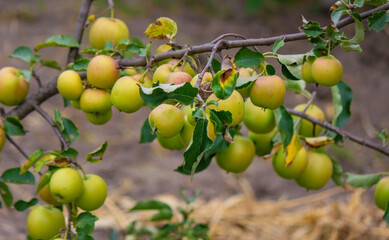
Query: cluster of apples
13	86
326	70
66	186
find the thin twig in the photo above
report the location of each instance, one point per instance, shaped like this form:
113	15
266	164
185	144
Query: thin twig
17	146
69	228
310	101
341	132
236	35
37	78
214	50
64	144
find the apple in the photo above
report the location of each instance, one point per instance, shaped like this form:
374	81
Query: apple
2	138
263	142
206	78
258	120
166	120
187	110
13	86
186	133
66	185
295	168
306	71
144	79
95	100
94	194
187	68
131	71
245	73
107	29
307	128
45	193
102	71
69	85
238	156
211	132
381	193
75	103
163	48
234	104
268	92
162	73
327	71
45	222
172	143
99	118
178	78
125	95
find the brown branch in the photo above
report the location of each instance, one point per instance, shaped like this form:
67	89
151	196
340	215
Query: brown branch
236	35
310	101
341	132
17	146
214	50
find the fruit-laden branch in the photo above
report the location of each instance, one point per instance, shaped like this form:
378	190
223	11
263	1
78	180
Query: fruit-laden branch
341	132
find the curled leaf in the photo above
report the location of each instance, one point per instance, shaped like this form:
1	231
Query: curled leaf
163	28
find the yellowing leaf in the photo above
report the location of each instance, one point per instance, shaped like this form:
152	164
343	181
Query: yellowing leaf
163	28
292	149
317	142
274	150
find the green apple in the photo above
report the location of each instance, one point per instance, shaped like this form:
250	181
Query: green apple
131	71
144	79
381	193
162	73
295	168
166	120
107	29
186	133
187	68
13	86
268	92
99	118
45	193
163	48
45	222
187	110
263	142
66	185
234	104
75	103
327	71
245	73
306	71
172	143
102	71
178	78
238	156
307	128
125	95
94	194
258	120
95	101
206	78
69	85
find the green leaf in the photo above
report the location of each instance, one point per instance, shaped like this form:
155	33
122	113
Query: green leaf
69	153
145	51
147	134
338	13
337	173
312	29
376	2
13	127
21	205
270	70
27	74
163	28
45	179
32	159
97	155
362	181
13	175
248	58
80	64
277	45
5	193
244	82
109	46
359	3
51	64
342	97
297	86
85	223
223	83
285	124
90	50
293	64
383	135
222	119
59	41
164	210
216	65
353	44
23	53
378	20
183	93
70	131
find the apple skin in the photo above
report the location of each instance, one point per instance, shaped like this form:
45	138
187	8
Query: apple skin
268	92
94	194
187	110
178	78
172	143
131	71
381	193
162	73
186	133
238	156
102	71
66	185
327	71
106	29
75	103
69	85
45	222
167	120
125	95
258	120
317	172
245	73
95	101
306	128
206	78
295	169
234	104
99	118
306	72
263	142
2	138
146	80
13	86
163	48
45	193
187	68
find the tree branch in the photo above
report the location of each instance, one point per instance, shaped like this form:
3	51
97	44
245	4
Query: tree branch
17	146
341	132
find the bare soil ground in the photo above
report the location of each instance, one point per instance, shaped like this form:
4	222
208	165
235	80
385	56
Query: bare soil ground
143	171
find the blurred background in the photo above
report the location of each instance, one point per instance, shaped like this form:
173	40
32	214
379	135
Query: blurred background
142	171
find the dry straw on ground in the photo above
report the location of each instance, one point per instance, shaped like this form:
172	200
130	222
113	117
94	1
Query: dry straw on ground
332	214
